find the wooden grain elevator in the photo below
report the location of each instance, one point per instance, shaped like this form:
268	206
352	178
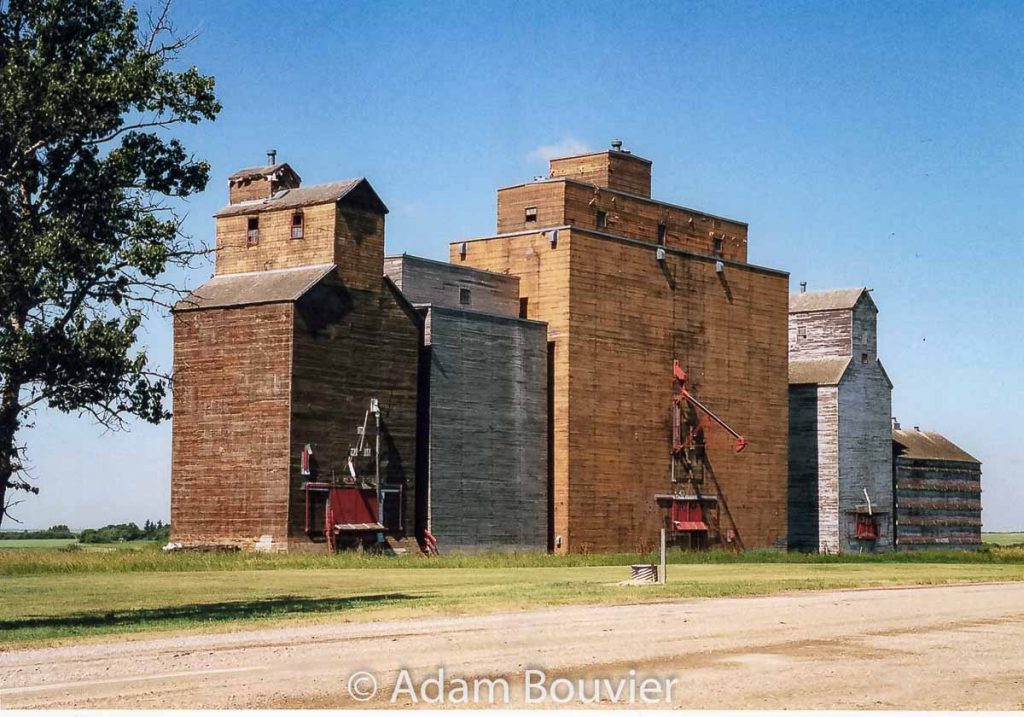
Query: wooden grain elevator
627	284
295	375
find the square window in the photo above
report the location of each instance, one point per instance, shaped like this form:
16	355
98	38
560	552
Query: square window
531	214
602	220
297	229
252	232
465	297
801	333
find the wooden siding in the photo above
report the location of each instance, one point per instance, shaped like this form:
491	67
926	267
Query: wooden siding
803	468
425	281
343	234
247	190
864	334
938	503
820	334
487	469
359	247
543	271
548	198
351	346
636	218
276	248
828	470
560	203
617	170
612	432
865	453
229	446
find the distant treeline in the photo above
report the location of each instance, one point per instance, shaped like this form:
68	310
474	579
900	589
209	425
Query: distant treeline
121	533
57	531
126	532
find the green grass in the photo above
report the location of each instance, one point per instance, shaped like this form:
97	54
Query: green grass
36	543
54	596
1003	538
147	557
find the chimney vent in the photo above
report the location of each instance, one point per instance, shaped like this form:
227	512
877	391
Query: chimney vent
617	145
803	287
917	428
895	424
271	157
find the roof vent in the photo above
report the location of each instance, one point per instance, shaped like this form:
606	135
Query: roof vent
271	157
803	290
895	424
616	145
917	428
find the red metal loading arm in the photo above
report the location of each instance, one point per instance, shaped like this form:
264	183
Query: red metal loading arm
680	376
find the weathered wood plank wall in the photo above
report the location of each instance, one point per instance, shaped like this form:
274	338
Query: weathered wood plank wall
568	202
617	320
425	281
828	470
938	503
630	317
344	234
351	346
803	468
487	431
229	446
820	334
276	249
616	170
543	271
865	453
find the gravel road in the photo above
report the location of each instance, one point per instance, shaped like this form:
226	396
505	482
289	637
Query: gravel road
957	647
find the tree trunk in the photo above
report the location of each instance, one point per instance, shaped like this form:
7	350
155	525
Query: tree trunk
9	410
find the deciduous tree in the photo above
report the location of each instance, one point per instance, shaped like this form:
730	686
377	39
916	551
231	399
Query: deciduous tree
90	92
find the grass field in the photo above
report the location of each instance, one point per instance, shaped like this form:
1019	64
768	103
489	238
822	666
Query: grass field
1003	538
36	543
52	595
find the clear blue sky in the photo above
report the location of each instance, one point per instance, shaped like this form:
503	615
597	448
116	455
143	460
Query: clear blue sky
870	144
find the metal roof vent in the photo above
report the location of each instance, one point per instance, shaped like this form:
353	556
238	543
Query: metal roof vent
616	145
803	287
271	157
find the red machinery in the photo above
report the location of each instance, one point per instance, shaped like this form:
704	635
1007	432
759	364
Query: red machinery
693	436
359	508
693	519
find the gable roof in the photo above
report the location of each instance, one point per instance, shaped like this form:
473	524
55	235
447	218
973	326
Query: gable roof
357	188
254	287
823	372
836	300
930	445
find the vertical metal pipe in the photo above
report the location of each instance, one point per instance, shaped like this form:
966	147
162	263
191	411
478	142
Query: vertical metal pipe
662	577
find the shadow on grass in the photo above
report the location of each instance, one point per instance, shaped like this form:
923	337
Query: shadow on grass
207	612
